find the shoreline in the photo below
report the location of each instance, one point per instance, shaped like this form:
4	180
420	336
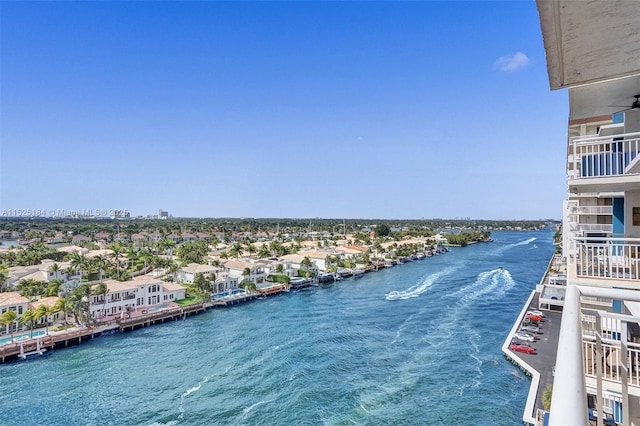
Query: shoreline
39	345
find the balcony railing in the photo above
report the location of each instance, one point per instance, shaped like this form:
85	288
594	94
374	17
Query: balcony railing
602	156
606	228
591	210
610	257
611	362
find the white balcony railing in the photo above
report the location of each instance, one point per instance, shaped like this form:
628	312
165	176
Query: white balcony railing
590	210
612	257
611	362
606	228
602	156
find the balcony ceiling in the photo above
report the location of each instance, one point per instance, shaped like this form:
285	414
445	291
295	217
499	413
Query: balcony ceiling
594	100
590	41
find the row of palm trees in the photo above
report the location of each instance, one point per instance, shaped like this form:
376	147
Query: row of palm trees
31	316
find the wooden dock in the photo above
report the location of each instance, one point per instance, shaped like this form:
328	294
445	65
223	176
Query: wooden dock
39	345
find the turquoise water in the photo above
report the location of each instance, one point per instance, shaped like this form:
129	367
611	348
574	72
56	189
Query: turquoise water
24	336
226	293
417	344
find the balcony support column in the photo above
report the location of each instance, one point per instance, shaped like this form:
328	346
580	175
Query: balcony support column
569	399
625	373
599	361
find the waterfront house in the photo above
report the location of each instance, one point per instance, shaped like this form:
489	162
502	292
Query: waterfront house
50	302
592	51
294	263
143	291
187	274
173	292
13	301
225	282
238	269
317	257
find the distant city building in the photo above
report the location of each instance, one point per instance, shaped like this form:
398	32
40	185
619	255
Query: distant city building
162	214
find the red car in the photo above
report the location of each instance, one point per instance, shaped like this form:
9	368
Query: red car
533	317
526	349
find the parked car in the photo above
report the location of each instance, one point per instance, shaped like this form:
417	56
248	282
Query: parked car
533	317
522	348
537	313
534	329
525	336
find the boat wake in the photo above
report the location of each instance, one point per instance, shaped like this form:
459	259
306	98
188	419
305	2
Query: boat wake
495	282
418	289
248	409
523	243
498	251
189	392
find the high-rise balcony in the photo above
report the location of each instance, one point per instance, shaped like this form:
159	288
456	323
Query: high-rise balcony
598	159
607	257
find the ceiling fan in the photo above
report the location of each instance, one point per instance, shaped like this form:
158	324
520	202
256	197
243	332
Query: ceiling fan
634	106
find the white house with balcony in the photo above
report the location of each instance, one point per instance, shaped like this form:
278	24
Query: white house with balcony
592	51
13	301
238	269
188	273
124	296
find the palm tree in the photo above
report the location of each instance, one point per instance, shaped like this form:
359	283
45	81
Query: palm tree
7	319
4	276
246	273
28	317
46	312
55	268
79	262
99	263
263	253
62	305
306	262
251	248
236	250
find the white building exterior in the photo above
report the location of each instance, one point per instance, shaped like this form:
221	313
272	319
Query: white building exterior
187	274
13	301
236	269
593	50
141	292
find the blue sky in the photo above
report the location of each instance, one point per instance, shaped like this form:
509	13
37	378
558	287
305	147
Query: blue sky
281	109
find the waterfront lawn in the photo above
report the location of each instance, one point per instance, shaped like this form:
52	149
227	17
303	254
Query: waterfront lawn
191	300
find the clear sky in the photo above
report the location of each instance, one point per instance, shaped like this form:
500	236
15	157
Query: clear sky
281	109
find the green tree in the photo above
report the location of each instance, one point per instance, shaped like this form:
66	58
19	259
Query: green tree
7	319
28	317
63	305
45	311
383	230
264	252
248	285
246	273
4	276
55	269
192	252
201	284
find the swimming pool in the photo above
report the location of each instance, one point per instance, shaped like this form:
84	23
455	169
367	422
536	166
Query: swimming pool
226	293
157	308
19	337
